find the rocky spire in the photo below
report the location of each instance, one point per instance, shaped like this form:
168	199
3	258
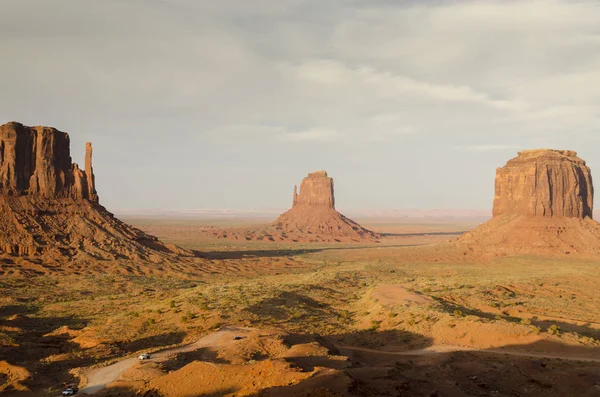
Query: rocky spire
89	173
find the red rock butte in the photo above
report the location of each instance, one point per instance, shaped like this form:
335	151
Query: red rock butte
49	209
316	190
545	183
313	216
36	161
543	203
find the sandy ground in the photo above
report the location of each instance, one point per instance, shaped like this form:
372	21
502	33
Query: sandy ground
98	378
395	294
404	316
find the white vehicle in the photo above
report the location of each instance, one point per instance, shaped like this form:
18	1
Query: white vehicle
144	356
70	391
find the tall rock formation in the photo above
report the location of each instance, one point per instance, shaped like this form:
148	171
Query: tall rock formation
36	161
543	203
545	183
49	210
89	173
313	216
316	190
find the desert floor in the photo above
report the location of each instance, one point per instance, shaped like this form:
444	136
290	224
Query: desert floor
409	316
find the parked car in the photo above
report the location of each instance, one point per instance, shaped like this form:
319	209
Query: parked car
70	391
144	356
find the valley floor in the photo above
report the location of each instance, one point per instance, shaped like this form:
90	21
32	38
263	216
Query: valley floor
403	317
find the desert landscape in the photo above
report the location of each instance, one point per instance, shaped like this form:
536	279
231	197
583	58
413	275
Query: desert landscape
299	198
313	304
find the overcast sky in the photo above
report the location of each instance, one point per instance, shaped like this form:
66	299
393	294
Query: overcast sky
229	103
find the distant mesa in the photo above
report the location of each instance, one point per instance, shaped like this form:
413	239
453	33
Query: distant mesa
312	218
543	204
49	206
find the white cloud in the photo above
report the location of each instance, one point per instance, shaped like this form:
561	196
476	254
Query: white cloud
483	76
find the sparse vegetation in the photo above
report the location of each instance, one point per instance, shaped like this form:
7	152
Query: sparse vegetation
326	297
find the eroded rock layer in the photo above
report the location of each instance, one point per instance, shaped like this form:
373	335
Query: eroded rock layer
312	218
36	161
543	204
49	210
313	213
316	190
545	183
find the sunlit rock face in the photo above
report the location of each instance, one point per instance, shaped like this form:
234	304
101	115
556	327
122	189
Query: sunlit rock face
545	183
36	161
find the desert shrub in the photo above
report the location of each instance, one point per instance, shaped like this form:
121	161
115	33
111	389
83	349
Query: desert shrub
553	329
458	313
375	325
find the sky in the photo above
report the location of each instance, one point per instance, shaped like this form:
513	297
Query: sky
227	104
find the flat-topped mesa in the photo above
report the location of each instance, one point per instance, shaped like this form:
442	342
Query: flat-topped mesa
316	190
545	183
36	161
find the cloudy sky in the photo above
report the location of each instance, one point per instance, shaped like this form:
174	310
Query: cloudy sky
229	103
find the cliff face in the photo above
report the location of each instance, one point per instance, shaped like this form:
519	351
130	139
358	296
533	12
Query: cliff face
316	190
49	207
543	205
36	161
545	183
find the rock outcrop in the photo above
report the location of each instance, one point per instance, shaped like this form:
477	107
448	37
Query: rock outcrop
312	218
543	204
36	161
316	191
49	210
545	183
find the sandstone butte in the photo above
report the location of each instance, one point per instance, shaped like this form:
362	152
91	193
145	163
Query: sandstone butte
49	207
312	218
543	203
313	214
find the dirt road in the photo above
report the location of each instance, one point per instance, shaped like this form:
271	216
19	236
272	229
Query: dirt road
98	378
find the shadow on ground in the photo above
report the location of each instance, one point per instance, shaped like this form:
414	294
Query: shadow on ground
152	342
386	373
288	253
584	330
426	234
32	346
